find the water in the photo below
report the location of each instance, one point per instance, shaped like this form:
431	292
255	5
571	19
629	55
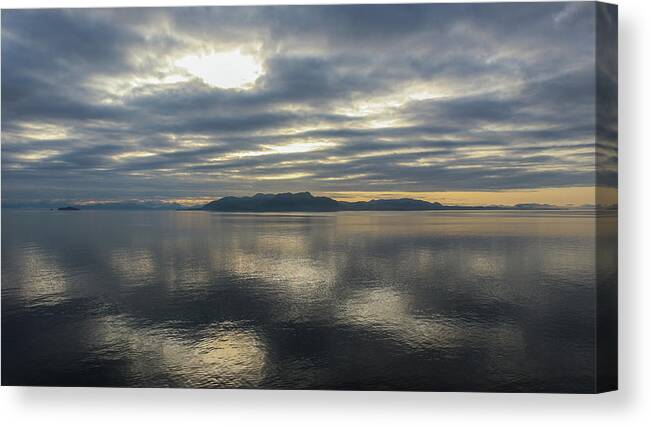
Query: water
493	301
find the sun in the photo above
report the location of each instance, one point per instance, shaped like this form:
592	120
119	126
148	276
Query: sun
227	70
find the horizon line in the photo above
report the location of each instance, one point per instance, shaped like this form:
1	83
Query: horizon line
202	201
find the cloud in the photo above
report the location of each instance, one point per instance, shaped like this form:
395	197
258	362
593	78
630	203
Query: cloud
385	98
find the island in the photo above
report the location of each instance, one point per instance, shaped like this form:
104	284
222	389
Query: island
68	208
306	202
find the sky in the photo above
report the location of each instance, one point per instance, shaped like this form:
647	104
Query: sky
466	104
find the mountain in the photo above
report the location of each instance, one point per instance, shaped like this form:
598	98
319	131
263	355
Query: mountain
112	205
306	202
132	205
535	206
391	205
283	202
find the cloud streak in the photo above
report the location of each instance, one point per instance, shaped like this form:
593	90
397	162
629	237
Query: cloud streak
409	98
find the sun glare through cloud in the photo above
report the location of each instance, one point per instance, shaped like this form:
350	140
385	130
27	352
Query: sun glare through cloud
227	70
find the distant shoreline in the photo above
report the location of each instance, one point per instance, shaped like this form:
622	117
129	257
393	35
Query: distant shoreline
305	202
451	209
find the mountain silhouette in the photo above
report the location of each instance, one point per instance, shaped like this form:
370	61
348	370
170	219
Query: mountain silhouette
282	202
306	202
391	205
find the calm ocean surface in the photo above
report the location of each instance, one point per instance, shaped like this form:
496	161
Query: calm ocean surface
495	301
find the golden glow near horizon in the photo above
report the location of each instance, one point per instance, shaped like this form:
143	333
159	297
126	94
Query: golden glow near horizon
562	196
228	70
565	196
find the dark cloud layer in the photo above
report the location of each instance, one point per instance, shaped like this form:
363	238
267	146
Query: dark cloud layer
350	98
